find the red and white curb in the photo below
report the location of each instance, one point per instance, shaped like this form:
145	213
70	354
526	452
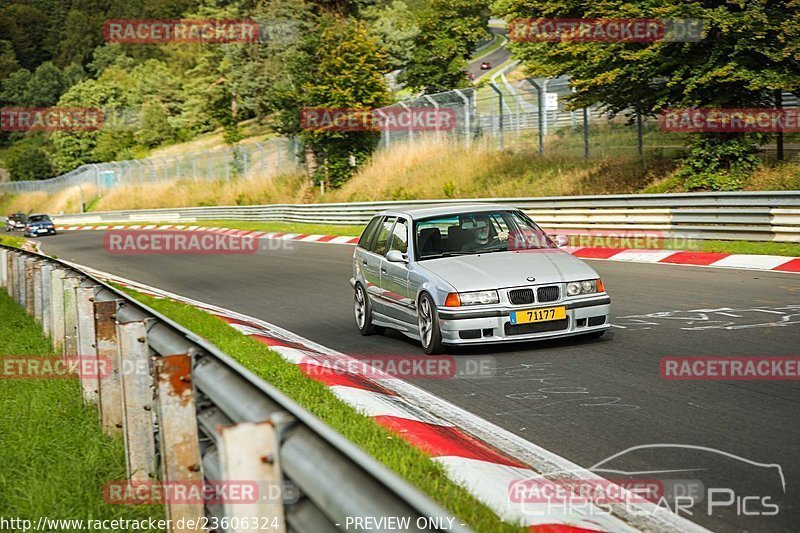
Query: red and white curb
481	457
775	263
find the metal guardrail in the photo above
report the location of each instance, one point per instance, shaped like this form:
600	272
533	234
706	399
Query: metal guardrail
190	412
757	216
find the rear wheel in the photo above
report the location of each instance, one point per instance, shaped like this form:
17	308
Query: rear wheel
430	334
363	312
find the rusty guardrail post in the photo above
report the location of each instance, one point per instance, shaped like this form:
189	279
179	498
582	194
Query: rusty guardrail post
249	452
12	275
178	437
137	405
70	282
87	349
57	307
110	385
47	307
27	282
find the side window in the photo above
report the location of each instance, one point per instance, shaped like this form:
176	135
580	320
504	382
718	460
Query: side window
369	231
400	236
384	232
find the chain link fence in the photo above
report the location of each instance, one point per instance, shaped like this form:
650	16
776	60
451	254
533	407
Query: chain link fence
245	160
533	114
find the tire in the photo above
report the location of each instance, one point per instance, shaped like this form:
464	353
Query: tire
430	335
363	313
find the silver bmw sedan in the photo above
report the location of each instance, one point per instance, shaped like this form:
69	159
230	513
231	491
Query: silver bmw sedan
472	274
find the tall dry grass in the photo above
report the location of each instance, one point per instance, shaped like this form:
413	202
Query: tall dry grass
66	201
432	170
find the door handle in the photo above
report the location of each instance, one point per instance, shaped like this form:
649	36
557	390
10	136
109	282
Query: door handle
364	262
383	270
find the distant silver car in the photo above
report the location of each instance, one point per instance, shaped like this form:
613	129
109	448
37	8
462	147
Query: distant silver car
472	274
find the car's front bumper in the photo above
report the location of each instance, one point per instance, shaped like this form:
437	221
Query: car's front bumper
493	324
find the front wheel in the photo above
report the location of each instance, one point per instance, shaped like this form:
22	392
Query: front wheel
363	311
430	334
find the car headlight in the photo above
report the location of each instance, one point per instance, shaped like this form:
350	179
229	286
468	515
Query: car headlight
456	299
584	287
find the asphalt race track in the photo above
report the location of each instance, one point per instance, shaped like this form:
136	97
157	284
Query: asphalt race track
495	59
585	400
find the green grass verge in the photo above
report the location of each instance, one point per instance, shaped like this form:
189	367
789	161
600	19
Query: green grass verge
54	459
283	227
400	456
12	240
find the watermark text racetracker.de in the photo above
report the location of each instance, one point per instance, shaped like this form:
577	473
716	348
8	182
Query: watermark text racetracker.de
51	118
753	120
177	242
713	368
384	119
605	30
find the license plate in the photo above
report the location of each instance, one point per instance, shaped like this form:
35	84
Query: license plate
544	314
41	230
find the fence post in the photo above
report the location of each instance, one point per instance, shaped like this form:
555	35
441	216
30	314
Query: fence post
87	347
12	284
639	133
109	385
137	420
249	452
586	133
436	107
541	118
500	110
410	122
467	130
178	437
70	282
57	308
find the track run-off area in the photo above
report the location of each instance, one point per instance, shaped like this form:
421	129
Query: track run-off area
599	403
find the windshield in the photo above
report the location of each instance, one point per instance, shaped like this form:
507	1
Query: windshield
474	233
39	218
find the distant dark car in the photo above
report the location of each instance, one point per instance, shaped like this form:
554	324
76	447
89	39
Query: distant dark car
16	222
39	225
486	65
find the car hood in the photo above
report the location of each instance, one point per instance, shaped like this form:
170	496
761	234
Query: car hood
508	269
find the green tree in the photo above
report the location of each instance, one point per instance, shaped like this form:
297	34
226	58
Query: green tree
45	86
748	51
28	160
155	127
340	66
449	30
15	88
394	26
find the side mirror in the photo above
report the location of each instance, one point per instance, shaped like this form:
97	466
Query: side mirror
396	256
562	240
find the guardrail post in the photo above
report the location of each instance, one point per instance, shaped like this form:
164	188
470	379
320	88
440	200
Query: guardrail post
20	273
57	308
249	452
109	384
137	405
178	437
70	282
87	349
13	277
4	267
27	266
44	288
37	290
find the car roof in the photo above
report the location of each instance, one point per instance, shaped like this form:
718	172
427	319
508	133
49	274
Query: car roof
38	215
434	210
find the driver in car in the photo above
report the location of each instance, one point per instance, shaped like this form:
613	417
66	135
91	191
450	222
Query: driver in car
481	232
